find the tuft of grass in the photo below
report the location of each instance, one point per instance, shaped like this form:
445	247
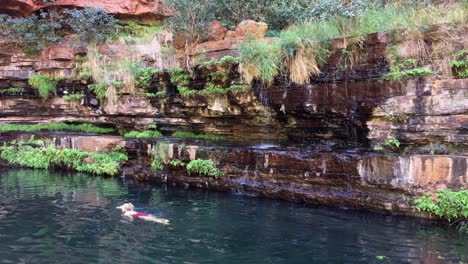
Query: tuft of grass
143	134
259	61
46	86
461	68
185	134
88	128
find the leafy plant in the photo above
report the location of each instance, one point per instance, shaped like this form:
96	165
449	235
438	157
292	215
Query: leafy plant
204	167
447	204
44	84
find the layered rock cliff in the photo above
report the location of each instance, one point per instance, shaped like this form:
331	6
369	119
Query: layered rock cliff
326	142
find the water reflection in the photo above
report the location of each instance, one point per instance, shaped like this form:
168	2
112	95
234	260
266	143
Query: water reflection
54	218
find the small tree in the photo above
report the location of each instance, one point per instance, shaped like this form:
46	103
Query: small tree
190	20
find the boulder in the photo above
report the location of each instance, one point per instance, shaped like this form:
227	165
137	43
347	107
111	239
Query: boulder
248	28
216	31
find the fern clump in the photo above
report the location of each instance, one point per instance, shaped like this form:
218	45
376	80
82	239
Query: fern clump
45	85
204	167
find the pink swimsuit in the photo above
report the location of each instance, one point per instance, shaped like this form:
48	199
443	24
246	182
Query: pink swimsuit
137	215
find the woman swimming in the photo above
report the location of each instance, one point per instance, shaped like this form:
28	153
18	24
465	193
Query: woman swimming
129	212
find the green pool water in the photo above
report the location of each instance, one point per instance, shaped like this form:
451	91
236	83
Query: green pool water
50	217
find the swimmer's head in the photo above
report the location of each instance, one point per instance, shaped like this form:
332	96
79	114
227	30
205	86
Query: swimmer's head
126	207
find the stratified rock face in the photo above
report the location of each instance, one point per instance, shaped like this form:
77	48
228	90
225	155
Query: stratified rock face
132	8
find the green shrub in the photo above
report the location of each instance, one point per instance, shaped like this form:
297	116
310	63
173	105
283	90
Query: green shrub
418	72
143	76
204	168
461	68
179	76
447	204
143	134
185	134
24	154
91	24
99	89
89	128
72	97
44	85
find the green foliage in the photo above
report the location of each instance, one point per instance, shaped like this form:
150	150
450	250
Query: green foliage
185	134
212	89
461	68
186	91
160	156
301	49
417	72
259	60
12	90
204	167
44	84
24	154
447	204
131	30
72	97
32	33
177	163
157	164
99	89
190	19
36	32
228	61
219	77
143	76
88	128
143	134
179	76
392	142
91	24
